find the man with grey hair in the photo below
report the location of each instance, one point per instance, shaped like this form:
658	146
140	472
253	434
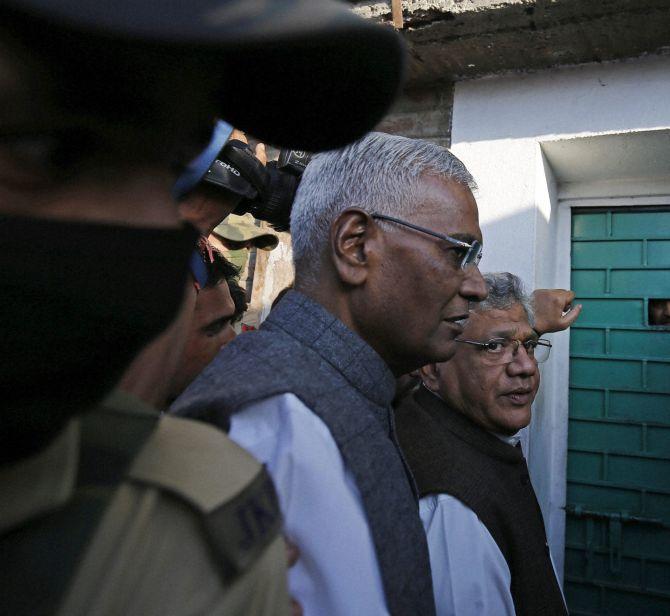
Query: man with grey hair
386	246
460	435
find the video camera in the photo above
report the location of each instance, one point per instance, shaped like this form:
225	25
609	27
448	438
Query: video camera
267	191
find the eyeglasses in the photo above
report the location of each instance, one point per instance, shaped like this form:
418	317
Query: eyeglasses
499	351
473	252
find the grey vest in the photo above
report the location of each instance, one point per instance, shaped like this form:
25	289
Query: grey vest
303	349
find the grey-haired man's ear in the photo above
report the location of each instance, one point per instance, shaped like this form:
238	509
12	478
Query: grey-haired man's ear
430	375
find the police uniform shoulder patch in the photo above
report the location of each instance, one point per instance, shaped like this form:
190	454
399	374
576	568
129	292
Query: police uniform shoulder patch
242	528
230	489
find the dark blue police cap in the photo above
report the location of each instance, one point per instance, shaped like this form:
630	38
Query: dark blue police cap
305	74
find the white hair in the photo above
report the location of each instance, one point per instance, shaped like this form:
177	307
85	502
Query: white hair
504	291
380	173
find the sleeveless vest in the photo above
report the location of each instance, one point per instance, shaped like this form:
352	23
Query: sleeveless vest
303	349
450	454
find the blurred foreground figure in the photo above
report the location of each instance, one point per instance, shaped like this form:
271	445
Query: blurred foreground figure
459	431
104	508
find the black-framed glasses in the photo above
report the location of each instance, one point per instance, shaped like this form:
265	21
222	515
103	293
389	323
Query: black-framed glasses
503	350
473	252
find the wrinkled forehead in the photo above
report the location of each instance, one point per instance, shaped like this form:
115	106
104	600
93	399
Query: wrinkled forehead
485	324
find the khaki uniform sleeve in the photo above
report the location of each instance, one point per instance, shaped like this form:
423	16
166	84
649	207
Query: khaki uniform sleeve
163	546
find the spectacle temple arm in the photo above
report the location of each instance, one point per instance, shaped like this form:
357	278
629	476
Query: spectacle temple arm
404	223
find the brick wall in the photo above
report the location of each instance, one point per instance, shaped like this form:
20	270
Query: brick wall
422	114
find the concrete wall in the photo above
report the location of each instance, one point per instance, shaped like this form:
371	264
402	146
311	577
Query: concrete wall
498	127
450	40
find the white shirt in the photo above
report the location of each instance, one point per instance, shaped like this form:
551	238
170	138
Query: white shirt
470	575
337	573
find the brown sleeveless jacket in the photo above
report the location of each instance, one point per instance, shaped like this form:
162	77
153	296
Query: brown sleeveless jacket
449	454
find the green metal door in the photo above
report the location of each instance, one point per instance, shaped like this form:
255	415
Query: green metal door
617	549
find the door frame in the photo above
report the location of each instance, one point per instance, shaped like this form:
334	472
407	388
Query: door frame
579	195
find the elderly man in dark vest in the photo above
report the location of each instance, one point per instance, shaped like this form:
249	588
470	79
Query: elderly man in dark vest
460	434
386	243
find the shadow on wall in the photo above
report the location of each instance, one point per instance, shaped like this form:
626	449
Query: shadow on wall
509	243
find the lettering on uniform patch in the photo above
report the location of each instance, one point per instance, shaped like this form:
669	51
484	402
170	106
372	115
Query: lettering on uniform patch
257	515
241	529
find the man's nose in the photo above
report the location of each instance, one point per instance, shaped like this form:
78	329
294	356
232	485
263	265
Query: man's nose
522	363
473	287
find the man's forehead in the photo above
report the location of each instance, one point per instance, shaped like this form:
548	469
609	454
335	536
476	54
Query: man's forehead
449	207
511	322
217	297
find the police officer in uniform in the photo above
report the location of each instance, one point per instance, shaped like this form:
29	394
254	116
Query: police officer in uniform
104	507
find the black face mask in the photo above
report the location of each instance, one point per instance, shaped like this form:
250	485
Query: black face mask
78	301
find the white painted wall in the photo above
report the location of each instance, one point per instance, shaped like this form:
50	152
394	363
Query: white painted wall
498	127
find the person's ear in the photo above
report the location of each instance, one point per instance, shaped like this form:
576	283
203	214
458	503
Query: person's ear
430	376
352	242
